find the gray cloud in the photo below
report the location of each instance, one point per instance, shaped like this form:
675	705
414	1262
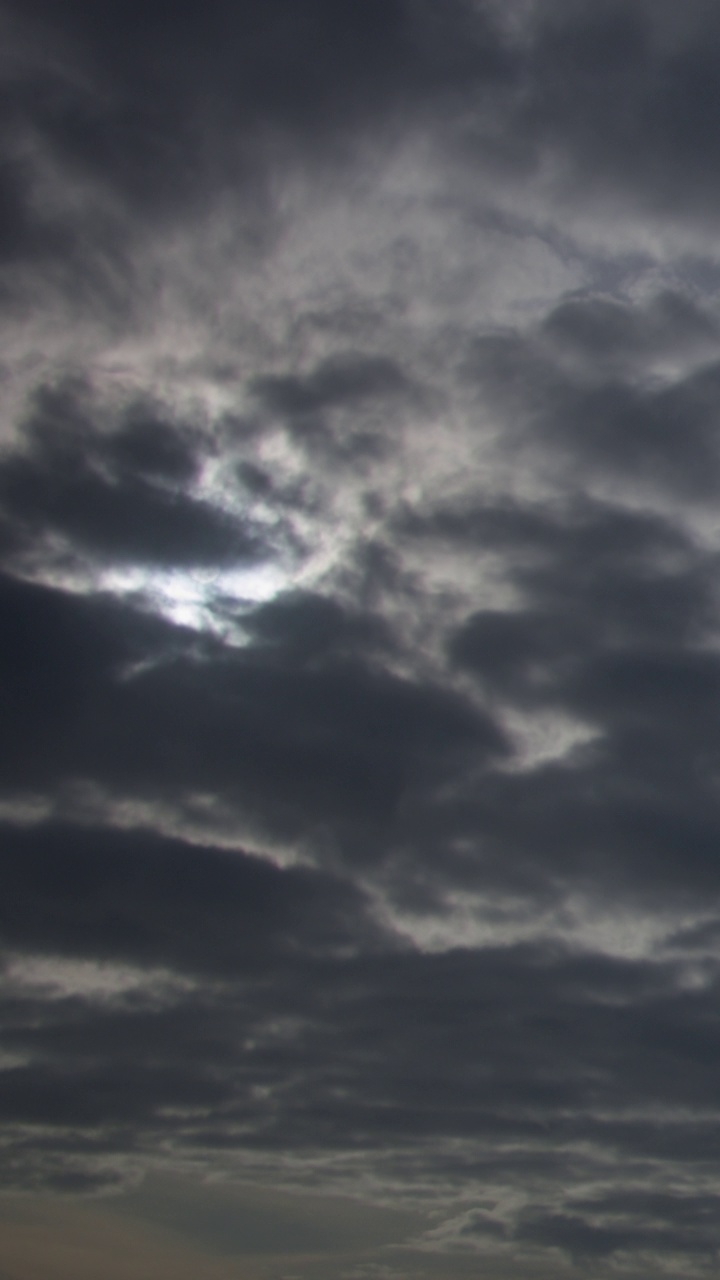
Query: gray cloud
115	497
134	896
359	659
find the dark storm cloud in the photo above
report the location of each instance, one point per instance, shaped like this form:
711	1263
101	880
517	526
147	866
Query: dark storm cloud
584	1239
603	331
115	496
289	739
162	108
146	445
89	1097
387	1045
614	624
593	579
650	1221
339	381
56	651
350	383
134	896
265	1013
584	389
534	1047
663	438
306	725
312	626
24	231
627	96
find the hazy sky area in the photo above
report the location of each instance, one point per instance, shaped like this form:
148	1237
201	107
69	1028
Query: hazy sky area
360	639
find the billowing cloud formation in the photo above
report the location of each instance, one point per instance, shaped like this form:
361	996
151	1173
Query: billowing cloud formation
360	667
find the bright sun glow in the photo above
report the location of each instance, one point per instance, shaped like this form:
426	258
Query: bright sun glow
197	599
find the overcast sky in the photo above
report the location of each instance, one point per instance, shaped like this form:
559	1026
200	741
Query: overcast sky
360	640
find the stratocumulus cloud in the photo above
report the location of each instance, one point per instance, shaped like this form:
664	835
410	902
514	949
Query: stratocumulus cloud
359	551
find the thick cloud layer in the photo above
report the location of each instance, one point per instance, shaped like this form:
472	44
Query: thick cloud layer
358	577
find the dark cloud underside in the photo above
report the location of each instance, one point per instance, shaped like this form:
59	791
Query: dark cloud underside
359	661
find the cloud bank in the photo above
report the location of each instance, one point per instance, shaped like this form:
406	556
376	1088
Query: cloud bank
360	669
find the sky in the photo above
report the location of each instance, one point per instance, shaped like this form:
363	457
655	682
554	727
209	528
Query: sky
360	642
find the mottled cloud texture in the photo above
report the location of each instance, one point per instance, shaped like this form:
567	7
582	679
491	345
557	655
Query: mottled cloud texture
360	640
